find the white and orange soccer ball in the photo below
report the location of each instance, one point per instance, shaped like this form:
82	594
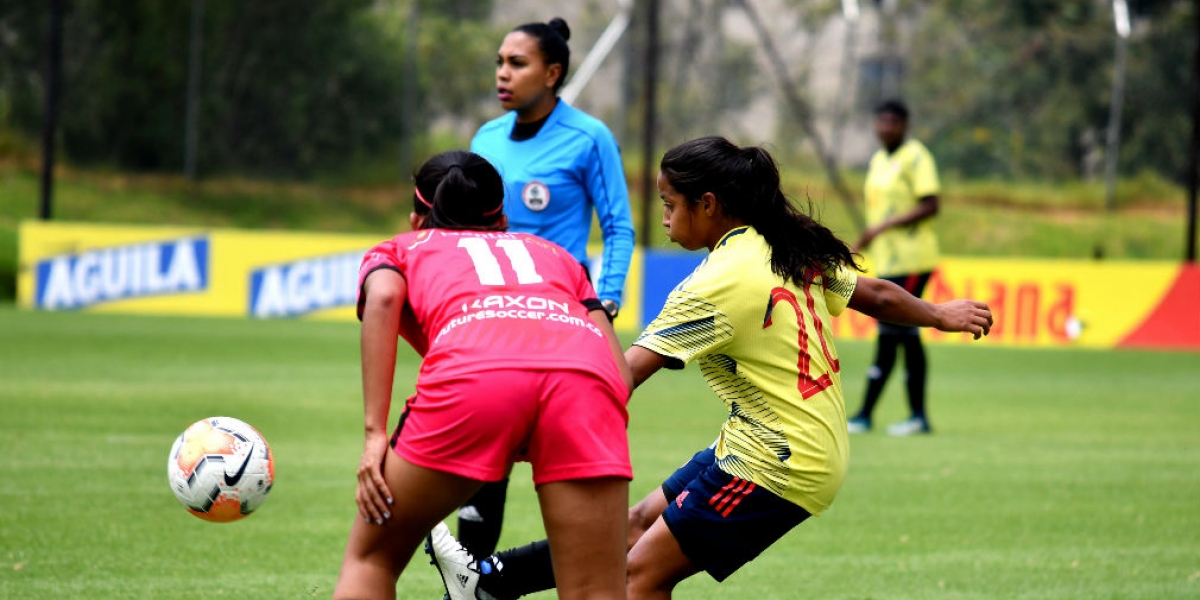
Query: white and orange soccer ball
221	469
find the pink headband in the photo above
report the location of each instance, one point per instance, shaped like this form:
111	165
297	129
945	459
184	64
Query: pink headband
417	191
489	213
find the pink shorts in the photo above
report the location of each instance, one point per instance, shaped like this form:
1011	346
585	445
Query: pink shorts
566	424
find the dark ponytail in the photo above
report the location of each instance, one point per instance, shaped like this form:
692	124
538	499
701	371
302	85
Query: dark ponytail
459	190
552	41
746	183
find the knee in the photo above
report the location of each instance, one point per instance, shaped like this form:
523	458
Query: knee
642	581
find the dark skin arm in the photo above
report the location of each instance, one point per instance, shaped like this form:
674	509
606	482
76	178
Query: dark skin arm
926	208
891	303
643	363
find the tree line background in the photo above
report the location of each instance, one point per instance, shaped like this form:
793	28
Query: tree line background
298	88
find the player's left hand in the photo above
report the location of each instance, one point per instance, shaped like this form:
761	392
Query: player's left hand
971	316
373	496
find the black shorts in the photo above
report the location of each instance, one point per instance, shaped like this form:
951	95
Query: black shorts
913	283
720	521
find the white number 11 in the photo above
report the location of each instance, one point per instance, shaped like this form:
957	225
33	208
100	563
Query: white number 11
488	268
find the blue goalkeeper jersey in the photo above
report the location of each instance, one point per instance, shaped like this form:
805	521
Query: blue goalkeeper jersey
555	180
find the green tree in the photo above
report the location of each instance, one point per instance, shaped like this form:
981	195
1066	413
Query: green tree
1023	88
287	88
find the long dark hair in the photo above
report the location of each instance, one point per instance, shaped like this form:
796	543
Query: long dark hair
459	190
746	183
552	41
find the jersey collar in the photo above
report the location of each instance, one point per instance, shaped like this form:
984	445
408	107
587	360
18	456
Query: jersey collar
736	231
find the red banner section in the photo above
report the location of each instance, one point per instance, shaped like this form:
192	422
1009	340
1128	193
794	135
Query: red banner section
1175	322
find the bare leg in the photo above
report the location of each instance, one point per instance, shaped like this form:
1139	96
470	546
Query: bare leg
377	554
657	564
585	523
643	514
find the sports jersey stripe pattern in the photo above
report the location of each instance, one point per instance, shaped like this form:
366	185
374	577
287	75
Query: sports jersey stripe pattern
778	376
697	325
731	496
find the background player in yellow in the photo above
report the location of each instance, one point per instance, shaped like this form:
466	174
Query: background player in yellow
901	193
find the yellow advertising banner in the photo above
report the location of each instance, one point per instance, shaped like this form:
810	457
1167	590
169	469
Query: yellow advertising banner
1093	304
194	271
165	270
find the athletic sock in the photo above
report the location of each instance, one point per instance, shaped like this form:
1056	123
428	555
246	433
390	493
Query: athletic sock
877	375
480	519
917	367
516	572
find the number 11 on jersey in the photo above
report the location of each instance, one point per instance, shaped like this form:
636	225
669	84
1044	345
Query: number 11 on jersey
487	266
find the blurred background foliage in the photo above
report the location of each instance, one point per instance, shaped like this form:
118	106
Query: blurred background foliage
1022	88
308	87
312	113
287	88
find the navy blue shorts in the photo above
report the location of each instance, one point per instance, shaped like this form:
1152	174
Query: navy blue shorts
914	284
720	521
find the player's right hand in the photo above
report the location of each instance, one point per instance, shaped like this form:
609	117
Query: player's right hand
372	495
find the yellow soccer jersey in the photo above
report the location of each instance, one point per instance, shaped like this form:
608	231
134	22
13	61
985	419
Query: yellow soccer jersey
895	182
767	351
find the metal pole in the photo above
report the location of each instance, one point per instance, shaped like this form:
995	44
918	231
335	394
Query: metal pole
850	14
50	118
1193	178
195	62
649	120
1121	21
598	53
410	90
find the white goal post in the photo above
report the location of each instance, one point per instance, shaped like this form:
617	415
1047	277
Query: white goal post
595	57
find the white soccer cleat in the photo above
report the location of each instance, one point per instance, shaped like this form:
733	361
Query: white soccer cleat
459	570
907	427
858	425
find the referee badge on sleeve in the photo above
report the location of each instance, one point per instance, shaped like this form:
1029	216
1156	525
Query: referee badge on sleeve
536	196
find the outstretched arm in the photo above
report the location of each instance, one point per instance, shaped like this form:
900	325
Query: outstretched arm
890	303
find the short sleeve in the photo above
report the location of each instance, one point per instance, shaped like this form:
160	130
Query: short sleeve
839	284
689	326
383	256
584	291
924	174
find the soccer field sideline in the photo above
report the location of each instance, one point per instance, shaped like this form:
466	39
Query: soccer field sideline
1052	473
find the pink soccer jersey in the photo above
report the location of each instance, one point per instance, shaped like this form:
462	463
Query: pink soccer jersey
492	299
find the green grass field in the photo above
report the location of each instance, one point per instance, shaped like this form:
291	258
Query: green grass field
1053	474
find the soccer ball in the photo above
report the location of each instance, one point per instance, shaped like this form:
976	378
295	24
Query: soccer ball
221	469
